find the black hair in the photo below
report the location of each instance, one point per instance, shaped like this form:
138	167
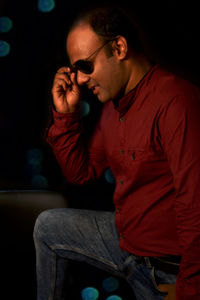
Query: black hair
110	21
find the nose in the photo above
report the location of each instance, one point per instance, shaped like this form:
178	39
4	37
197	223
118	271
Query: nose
82	78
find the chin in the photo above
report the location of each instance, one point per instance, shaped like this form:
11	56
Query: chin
103	99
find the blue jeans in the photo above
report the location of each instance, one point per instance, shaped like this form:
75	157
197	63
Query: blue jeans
65	234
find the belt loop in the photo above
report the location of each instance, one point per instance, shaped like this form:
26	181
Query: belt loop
128	260
147	261
129	266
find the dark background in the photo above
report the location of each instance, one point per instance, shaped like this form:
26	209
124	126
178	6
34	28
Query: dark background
37	40
37	43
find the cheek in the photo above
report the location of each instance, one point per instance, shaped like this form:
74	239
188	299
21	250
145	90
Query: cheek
109	79
108	90
112	83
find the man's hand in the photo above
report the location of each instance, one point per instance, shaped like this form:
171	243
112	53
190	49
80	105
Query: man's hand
65	91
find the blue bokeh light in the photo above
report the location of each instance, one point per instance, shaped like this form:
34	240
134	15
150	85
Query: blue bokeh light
85	108
109	176
6	24
39	181
46	5
114	297
110	284
90	293
34	168
35	156
4	48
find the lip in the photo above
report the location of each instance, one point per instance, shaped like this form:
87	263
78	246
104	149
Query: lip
95	90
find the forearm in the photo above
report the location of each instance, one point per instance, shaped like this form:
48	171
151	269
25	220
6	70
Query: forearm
65	137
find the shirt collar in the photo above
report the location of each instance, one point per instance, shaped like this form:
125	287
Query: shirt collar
123	104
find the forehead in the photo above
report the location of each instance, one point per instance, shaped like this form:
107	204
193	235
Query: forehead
81	41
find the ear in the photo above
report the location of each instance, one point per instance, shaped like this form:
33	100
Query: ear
120	47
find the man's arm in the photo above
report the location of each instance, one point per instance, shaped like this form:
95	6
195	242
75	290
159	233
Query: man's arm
80	163
180	136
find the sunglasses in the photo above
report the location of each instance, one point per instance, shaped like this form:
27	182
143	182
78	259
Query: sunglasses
86	65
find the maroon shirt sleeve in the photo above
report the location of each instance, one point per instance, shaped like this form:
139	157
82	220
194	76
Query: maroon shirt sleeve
80	163
180	137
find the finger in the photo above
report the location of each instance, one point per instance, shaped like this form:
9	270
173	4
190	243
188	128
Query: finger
60	85
75	86
63	76
63	70
73	79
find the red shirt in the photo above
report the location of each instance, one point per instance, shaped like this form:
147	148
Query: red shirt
151	142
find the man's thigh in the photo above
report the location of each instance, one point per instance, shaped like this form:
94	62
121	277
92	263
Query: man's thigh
83	235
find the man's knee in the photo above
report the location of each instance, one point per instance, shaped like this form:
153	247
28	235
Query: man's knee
52	221
44	223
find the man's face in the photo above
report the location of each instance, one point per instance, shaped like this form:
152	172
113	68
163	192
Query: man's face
107	77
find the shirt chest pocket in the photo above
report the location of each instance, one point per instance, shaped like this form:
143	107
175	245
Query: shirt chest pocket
135	155
138	154
135	160
144	160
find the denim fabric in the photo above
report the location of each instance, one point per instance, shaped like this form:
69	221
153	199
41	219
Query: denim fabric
65	234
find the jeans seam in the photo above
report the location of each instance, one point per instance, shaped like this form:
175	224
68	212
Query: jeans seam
53	281
102	238
80	251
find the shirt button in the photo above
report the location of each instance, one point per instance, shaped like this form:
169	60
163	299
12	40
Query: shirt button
122	151
59	118
49	139
121	236
121	181
122	119
132	156
118	209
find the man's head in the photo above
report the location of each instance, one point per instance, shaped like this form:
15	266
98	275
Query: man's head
101	46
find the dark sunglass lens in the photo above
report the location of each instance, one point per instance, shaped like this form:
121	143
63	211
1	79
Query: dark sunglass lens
84	66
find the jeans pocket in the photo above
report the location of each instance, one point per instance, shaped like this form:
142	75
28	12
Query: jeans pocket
156	282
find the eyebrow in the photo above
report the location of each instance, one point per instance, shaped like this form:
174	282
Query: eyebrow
93	53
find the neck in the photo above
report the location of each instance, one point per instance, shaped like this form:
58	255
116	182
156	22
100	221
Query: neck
139	67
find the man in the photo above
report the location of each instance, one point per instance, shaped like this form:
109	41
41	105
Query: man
148	134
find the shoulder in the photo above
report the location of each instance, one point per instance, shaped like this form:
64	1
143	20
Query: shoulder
169	87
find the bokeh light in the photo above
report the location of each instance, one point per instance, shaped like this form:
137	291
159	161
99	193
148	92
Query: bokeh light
34	168
6	24
4	48
46	5
90	293
109	176
34	156
85	108
110	284
39	181
114	297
